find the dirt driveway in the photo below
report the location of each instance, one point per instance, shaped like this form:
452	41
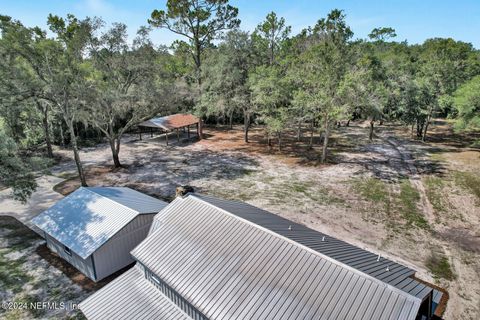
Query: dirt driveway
40	200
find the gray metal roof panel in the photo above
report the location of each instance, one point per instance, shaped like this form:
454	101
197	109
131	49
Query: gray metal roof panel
228	267
325	244
87	218
130	198
130	297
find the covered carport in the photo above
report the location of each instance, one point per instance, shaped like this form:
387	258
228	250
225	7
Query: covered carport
172	123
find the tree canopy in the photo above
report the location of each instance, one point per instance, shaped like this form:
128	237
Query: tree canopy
84	80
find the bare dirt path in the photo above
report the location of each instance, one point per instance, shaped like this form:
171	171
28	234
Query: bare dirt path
41	199
408	160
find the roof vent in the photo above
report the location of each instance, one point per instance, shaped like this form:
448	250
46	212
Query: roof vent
378	258
182	191
388	268
323	238
289	227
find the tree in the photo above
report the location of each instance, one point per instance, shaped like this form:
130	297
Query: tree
199	21
19	90
271	98
14	172
126	89
55	66
320	70
445	64
270	35
63	68
225	89
466	100
382	34
363	90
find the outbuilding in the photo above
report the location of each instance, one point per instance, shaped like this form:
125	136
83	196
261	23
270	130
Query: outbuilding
172	123
95	228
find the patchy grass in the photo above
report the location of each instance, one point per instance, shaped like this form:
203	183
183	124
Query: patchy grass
12	276
434	187
372	189
468	181
401	203
439	266
407	203
299	189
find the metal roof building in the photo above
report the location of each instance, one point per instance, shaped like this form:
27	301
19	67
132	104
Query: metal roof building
96	228
173	122
217	259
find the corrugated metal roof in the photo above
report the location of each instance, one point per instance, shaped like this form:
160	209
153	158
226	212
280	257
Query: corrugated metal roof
171	122
339	250
130	297
86	219
130	198
230	268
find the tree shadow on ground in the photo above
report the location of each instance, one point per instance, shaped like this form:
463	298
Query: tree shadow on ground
391	158
157	169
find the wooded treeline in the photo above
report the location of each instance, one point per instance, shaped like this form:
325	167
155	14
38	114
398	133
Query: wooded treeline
85	81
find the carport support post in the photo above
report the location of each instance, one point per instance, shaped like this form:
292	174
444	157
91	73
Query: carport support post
151	132
199	129
166	137
140	134
178	136
188	131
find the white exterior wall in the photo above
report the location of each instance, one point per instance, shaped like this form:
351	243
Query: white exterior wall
85	266
115	253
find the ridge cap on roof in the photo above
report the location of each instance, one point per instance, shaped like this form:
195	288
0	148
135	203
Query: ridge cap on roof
322	255
110	199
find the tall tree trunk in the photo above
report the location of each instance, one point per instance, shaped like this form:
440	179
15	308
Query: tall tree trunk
299	131
420	125
279	141
370	135
325	141
272	52
311	136
46	129
411	131
230	121
246	125
115	147
425	129
427	122
348	123
62	136
198	64
76	155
